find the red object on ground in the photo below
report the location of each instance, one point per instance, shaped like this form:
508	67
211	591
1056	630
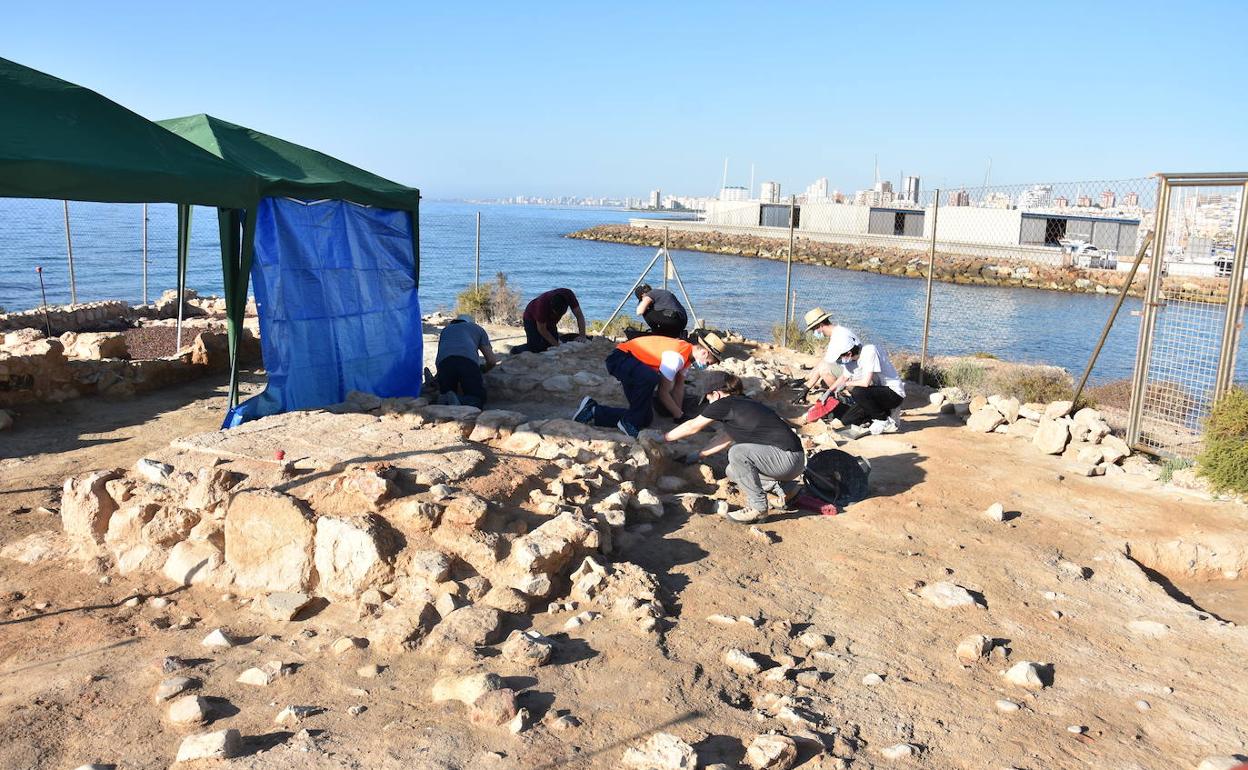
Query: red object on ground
815	505
280	454
819	410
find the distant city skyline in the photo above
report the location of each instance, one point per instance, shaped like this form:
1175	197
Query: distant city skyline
560	99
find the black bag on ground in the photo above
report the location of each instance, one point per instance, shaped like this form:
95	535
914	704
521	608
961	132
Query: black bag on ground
837	477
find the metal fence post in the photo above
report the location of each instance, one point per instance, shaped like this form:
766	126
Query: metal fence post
1148	319
788	275
931	269
1234	305
667	259
69	250
476	276
144	253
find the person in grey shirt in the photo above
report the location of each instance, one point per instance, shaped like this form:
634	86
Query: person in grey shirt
661	311
459	377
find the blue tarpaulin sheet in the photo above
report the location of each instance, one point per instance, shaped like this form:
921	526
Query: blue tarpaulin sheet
336	292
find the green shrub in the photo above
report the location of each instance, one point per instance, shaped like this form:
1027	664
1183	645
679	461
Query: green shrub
985	355
1224	459
908	366
799	340
1031	384
1115	394
495	302
617	327
1169	466
965	375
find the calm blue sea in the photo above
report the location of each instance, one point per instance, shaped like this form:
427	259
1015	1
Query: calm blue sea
527	244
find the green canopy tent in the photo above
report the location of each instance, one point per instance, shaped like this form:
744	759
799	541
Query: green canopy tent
62	141
291	171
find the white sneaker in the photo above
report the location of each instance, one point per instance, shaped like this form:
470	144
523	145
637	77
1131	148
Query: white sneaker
883	426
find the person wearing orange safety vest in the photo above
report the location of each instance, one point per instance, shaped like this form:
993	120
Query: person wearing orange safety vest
650	367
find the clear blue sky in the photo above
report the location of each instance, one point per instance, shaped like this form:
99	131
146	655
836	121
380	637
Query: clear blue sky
491	99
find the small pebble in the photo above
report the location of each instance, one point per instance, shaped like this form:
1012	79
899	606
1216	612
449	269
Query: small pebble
159	602
872	679
1007	705
1143	705
355	711
133	601
1076	729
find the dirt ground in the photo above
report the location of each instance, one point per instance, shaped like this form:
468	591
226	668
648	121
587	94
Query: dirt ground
1054	585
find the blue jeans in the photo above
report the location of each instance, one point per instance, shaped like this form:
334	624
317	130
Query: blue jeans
640	382
457	373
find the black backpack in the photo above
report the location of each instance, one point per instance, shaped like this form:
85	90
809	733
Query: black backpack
837	477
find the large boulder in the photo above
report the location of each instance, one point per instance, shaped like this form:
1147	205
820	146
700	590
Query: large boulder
1052	435
352	554
86	508
269	539
464	629
550	547
661	751
192	562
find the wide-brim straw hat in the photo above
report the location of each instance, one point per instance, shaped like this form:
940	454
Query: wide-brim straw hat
714	343
816	317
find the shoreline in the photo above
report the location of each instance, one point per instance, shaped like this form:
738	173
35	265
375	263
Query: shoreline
950	268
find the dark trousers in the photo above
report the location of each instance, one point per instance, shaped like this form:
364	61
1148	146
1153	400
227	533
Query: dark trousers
462	375
534	342
666	322
640	382
873	402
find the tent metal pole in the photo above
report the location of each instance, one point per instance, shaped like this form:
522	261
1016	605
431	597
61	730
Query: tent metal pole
688	302
184	242
69	251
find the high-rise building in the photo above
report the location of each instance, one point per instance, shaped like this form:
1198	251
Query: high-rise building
818	189
1034	197
912	189
655	197
959	198
769	192
1108	199
996	200
734	193
1131	200
1084	201
1061	202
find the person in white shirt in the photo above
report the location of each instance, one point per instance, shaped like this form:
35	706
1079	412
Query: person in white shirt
874	387
829	369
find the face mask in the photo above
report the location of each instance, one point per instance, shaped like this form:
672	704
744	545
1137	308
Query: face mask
699	365
818	335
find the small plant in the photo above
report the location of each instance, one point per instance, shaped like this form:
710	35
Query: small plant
495	302
985	355
617	327
1224	458
798	339
1170	466
1032	384
1115	394
908	366
965	375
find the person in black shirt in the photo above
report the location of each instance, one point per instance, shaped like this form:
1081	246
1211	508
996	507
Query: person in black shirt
661	311
764	453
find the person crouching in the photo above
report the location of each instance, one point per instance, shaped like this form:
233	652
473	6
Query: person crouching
873	384
764	453
650	367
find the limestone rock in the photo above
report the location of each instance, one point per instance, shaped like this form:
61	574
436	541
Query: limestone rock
38	547
899	751
188	710
742	662
173	687
985	420
465	511
973	648
1026	675
210	489
495	424
291	715
1219	763
947	595
1051	436
507	599
346	644
411	514
1057	409
493	708
266	674
465	689
1114	449
528	648
194	561
222	744
1149	629
771	752
352	554
86	508
661	751
429	566
553	545
478	548
269	541
219	639
466	627
282	605
370	483
996	512
401	627
1009	409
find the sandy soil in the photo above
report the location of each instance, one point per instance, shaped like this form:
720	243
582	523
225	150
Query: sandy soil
1054	583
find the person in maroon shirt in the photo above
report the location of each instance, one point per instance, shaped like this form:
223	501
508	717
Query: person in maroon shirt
541	319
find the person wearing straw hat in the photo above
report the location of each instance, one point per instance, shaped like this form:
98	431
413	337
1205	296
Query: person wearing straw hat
459	377
650	367
875	388
764	453
819	321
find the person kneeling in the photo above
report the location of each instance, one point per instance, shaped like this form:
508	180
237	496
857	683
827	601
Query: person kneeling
650	367
459	377
874	387
661	311
764	453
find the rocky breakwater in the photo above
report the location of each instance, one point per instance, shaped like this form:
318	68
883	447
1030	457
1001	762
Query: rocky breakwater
950	268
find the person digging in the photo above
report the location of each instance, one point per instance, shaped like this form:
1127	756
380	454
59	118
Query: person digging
649	368
873	385
764	453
